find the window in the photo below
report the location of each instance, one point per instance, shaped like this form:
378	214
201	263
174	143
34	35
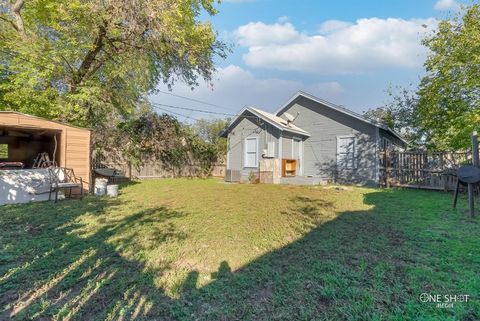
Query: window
346	152
3	151
386	144
251	147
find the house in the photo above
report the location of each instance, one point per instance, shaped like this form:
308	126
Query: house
22	138
307	141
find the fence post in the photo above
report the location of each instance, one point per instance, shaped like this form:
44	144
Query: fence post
387	168
475	162
129	168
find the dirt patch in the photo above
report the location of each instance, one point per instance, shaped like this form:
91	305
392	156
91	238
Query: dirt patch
264	294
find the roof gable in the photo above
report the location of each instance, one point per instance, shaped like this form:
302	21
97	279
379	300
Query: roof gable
337	108
272	119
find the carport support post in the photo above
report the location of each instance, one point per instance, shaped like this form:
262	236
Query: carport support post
475	162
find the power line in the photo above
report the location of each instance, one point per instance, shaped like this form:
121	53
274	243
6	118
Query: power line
201	111
164	106
193	99
194	109
175	113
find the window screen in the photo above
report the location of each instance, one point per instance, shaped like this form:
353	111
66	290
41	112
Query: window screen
251	152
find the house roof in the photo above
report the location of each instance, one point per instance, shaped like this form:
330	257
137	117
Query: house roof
340	109
35	121
272	119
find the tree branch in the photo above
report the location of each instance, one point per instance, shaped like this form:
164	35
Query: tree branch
87	62
13	24
16	8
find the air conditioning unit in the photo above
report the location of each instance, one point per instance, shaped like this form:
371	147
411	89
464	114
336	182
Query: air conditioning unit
232	175
270	150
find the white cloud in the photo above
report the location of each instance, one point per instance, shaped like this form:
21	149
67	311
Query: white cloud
447	5
333	25
338	48
235	87
261	34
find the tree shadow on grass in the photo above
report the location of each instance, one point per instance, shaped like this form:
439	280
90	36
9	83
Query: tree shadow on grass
365	265
64	273
362	265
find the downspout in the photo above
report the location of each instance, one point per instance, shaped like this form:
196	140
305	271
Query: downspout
377	155
280	151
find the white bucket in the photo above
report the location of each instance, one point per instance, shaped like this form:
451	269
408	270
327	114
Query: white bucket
112	190
100	186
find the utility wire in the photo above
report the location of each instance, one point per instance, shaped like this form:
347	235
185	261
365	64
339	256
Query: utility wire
175	113
193	109
163	106
193	99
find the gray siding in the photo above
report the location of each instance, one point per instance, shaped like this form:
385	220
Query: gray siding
397	143
286	146
249	127
320	149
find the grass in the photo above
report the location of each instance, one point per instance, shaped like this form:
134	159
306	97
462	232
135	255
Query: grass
203	250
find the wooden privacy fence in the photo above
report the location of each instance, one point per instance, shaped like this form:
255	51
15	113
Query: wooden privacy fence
151	168
421	169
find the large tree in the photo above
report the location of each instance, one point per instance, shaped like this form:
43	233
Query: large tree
209	130
91	61
448	108
400	114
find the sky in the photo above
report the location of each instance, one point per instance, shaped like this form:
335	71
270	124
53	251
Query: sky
345	51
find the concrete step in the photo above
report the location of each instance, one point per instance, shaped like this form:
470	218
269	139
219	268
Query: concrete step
301	180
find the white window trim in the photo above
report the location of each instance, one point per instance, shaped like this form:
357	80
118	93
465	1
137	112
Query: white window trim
300	153
354	149
228	152
245	151
280	146
377	154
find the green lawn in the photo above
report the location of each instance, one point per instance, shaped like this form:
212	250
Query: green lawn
204	250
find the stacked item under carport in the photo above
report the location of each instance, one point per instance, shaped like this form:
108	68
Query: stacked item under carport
23	186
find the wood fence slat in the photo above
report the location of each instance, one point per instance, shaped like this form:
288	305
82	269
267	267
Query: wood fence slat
421	169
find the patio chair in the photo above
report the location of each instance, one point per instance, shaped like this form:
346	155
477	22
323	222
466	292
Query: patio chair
64	178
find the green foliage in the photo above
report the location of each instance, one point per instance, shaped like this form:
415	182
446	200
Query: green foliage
209	131
150	134
400	114
91	61
252	177
449	95
162	138
3	151
381	114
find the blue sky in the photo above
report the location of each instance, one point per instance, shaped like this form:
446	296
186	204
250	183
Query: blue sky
347	52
